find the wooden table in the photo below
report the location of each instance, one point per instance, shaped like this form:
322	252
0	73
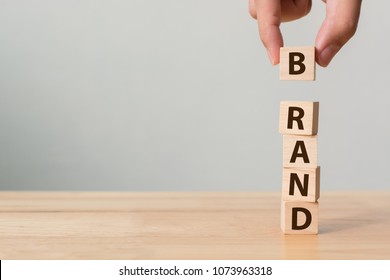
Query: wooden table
124	225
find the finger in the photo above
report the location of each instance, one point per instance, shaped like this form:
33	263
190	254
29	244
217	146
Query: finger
290	9
268	19
338	27
294	9
252	9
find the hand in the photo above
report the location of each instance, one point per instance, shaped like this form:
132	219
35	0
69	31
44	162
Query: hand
339	26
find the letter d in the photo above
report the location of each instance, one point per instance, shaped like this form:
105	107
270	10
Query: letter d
294	223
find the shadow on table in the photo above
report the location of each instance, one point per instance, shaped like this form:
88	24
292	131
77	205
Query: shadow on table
345	224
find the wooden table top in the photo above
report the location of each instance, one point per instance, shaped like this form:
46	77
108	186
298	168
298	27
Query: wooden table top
220	225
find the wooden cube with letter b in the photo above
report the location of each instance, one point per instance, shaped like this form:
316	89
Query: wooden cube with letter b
301	174
297	63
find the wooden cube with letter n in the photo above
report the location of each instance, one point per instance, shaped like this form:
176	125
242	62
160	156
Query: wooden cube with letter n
297	63
301	174
301	184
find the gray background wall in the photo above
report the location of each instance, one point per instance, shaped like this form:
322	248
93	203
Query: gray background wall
178	95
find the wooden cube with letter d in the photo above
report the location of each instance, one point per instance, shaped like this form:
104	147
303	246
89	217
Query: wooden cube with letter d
299	217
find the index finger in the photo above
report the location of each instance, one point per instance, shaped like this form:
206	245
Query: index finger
268	19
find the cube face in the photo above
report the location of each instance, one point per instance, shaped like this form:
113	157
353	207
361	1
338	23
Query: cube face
297	63
298	118
300	151
302	184
299	217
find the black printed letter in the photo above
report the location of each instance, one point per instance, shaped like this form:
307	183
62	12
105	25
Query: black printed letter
294	224
292	118
303	154
303	189
298	62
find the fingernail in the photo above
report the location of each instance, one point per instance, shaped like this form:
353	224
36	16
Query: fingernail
327	55
271	59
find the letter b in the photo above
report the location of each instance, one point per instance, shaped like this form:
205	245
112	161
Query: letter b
296	65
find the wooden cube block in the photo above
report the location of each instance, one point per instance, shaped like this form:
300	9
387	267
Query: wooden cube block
297	63
299	217
300	151
301	184
300	118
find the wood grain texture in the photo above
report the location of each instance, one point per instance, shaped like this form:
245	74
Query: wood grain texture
308	121
308	52
88	225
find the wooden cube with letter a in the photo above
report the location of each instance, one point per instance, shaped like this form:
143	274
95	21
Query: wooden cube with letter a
298	63
301	184
299	217
300	118
300	151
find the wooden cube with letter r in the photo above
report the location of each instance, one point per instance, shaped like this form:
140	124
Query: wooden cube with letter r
298	117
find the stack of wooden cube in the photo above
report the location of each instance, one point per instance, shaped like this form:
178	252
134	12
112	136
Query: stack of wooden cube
298	122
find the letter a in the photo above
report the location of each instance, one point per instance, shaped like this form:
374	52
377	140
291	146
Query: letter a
303	154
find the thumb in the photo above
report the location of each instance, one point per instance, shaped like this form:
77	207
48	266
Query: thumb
338	27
